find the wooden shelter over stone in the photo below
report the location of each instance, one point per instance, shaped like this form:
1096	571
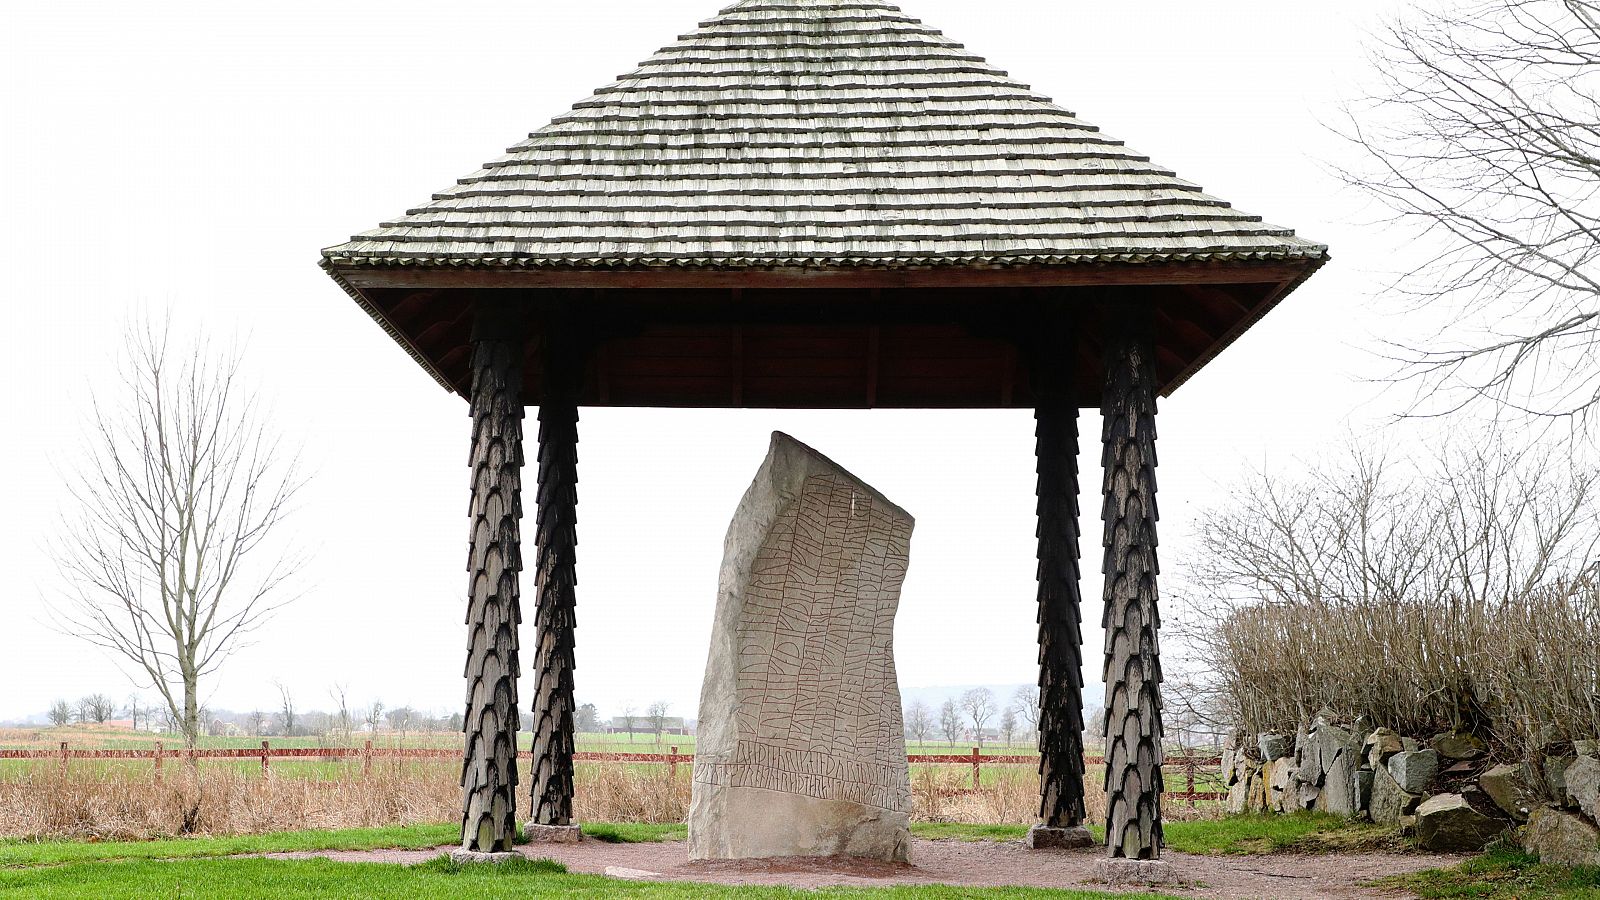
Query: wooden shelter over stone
827	204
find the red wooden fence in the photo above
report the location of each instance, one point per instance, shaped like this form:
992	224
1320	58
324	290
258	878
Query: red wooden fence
1189	764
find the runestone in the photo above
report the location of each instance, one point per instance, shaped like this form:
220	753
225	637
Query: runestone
801	750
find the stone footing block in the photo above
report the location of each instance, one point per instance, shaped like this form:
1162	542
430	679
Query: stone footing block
552	834
1044	837
465	857
1133	872
627	874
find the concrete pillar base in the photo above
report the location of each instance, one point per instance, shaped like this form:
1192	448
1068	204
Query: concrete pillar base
1121	871
1044	837
468	857
552	834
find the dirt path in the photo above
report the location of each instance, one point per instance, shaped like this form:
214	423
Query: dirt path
1279	876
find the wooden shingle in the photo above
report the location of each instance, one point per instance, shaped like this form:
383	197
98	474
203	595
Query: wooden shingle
818	134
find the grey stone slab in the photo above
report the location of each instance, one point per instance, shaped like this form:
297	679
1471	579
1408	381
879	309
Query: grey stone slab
1555	777
1044	837
1510	786
1123	872
1339	757
1390	803
1382	744
552	834
1282	790
1583	786
1414	770
476	857
1274	746
1560	837
1447	822
801	749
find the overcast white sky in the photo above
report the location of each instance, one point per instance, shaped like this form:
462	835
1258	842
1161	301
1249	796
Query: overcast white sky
196	156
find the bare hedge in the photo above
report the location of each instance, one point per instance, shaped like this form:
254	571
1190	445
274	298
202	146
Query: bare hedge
1461	594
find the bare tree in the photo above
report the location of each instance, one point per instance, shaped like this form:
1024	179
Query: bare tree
135	709
1484	133
1008	724
286	714
1026	702
629	713
400	719
95	709
919	721
167	556
374	717
258	722
340	721
658	717
60	713
950	720
979	706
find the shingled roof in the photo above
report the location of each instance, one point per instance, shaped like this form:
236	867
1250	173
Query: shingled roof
819	133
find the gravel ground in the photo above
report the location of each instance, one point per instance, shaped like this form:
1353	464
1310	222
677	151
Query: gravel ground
1281	876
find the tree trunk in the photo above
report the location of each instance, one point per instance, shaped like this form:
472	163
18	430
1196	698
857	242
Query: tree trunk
555	616
1131	619
191	710
489	769
1060	596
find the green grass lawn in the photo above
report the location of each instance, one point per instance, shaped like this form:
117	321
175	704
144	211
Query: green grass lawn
1304	832
1503	874
1243	834
15	854
439	879
180	868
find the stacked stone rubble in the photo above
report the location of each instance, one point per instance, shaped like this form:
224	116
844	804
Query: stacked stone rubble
1449	793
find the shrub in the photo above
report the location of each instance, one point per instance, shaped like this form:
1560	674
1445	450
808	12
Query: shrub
1458	596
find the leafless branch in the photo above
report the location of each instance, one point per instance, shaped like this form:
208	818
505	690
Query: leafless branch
167	552
1483	136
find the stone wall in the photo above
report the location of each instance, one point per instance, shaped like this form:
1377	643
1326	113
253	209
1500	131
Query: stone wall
1448	791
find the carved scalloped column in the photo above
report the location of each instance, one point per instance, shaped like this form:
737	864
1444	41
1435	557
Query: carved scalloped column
556	579
1060	617
1131	618
489	768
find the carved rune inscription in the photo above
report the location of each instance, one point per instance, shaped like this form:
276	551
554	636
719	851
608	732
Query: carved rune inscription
818	706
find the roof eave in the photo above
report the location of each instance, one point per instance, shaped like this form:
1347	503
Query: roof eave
1246	323
389	327
356	276
1233	267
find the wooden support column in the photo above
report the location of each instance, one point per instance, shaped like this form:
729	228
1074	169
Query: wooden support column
489	769
1061	770
556	579
1131	619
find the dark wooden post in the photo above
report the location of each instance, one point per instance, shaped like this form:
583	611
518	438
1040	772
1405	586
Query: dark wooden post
1131	618
266	759
555	614
1061	770
489	769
